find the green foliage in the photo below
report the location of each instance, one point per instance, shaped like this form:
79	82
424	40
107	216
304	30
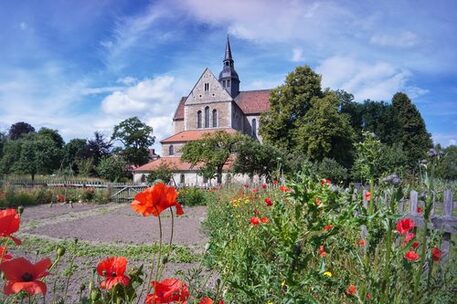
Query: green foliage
52	135
213	151
412	133
112	168
193	197
324	132
288	105
330	169
164	173
20	129
136	137
72	152
254	158
447	168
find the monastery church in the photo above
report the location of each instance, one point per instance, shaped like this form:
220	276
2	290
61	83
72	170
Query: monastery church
214	104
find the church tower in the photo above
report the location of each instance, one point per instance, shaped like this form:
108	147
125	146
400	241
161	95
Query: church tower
228	76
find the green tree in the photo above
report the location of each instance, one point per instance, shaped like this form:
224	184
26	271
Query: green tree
254	158
288	105
53	135
324	132
212	152
412	133
73	151
447	168
112	168
11	154
331	169
19	129
163	172
3	140
136	136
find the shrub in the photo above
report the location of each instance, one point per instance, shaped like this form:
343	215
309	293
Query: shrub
192	197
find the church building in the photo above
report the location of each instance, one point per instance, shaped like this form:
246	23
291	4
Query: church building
213	104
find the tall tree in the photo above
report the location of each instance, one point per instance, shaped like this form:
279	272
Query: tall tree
73	151
324	132
288	105
212	152
136	136
19	129
52	135
412	133
3	139
96	148
112	168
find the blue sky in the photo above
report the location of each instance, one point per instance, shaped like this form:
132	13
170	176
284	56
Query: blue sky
81	66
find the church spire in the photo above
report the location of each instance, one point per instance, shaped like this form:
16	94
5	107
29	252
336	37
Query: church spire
228	76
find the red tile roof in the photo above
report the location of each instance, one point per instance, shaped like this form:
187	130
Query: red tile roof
253	102
179	113
192	135
176	164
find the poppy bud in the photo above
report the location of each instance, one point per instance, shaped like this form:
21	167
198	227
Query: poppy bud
94	295
76	241
60	251
164	260
20	210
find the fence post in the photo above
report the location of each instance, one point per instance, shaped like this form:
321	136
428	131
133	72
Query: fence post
413	202
110	190
448	205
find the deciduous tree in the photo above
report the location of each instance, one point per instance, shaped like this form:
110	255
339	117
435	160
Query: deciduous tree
19	129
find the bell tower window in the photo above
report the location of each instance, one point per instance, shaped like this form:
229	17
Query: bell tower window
206	87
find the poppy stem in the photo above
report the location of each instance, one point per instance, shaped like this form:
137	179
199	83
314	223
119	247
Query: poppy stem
162	265
160	249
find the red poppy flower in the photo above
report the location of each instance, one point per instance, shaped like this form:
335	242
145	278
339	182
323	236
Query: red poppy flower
412	256
156	199
351	290
326	181
283	188
113	269
368	296
255	190
367	196
264	186
9	224
275	182
322	252
60	198
409	236
436	254
328	227
4	255
22	275
419	210
362	243
415	245
405	225
168	291
264	220
206	300
255	221
318	201
268	201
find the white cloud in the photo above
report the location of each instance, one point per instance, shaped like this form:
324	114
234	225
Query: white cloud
128	80
297	55
402	40
23	26
366	80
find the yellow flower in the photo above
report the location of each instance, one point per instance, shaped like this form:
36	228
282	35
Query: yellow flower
283	283
328	274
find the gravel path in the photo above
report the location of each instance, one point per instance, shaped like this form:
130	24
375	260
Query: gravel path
112	223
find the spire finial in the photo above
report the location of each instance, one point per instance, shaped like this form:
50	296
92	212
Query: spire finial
228	51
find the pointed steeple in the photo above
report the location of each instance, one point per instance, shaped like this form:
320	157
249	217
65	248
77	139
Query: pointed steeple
228	76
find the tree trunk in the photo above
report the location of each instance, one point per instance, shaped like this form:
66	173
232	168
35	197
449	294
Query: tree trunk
219	175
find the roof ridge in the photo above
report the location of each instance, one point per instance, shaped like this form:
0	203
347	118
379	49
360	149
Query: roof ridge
258	90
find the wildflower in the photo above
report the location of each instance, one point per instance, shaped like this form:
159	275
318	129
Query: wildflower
326	181
351	290
275	182
328	274
420	210
113	269
409	236
367	196
9	224
405	225
283	188
207	300
415	245
436	254
368	296
264	220
328	227
246	186
362	243
268	201
168	291
255	190
4	255
317	201
322	252
22	275
255	221
156	199
264	186
411	256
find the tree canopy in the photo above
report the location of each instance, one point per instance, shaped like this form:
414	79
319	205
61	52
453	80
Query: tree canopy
19	129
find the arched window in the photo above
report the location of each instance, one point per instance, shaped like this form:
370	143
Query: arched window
207	117
214	118
171	150
254	127
199	119
182	179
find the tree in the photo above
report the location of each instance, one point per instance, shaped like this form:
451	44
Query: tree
53	135
163	172
254	158
3	139
447	168
19	129
136	137
96	148
288	105
11	154
412	133
331	169
112	168
324	132
212	152
72	152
